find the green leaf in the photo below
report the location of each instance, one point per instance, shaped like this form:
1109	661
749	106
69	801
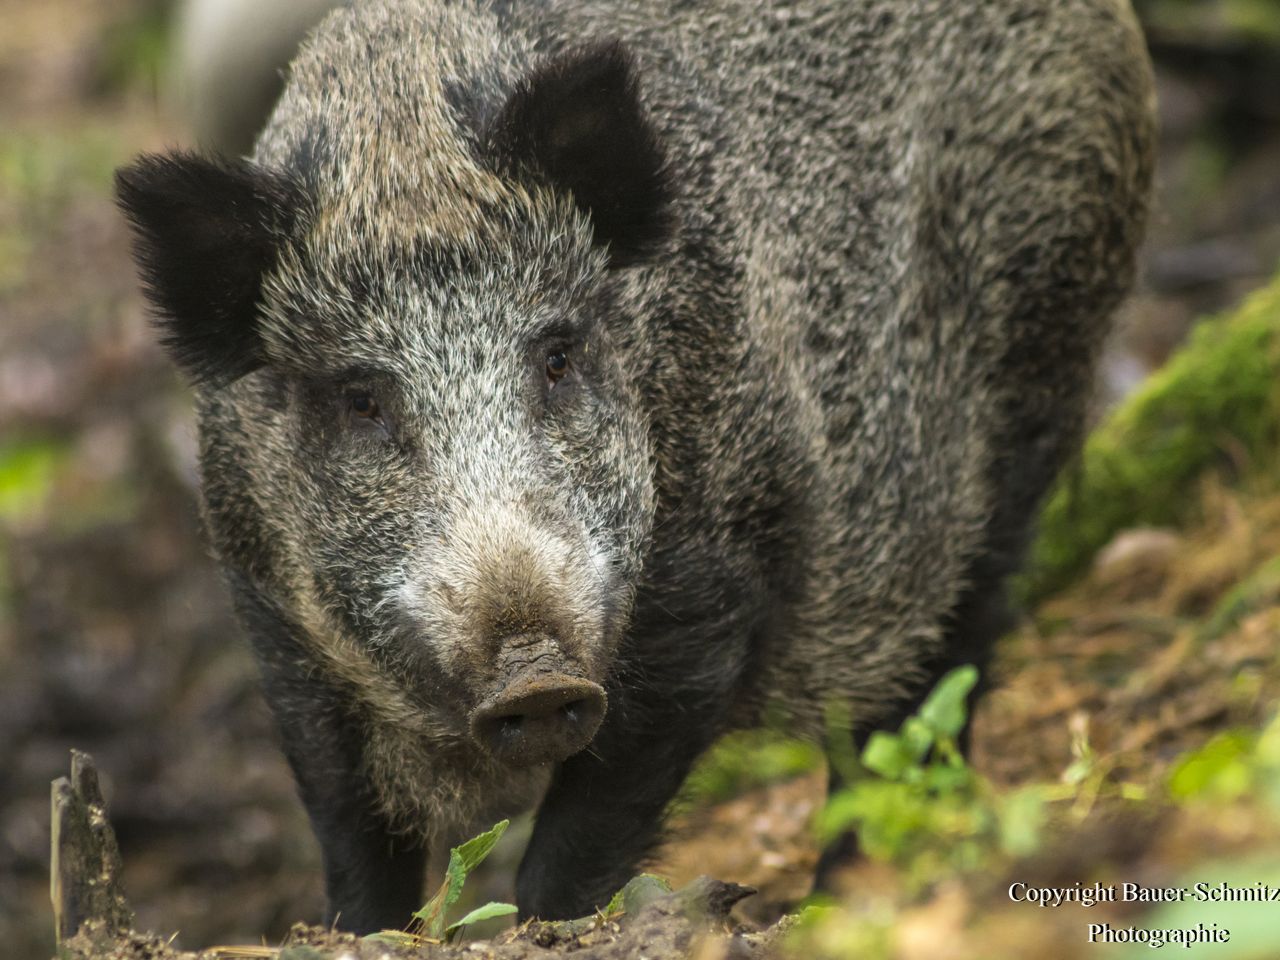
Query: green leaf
473	853
487	912
839	813
398	938
1220	770
945	710
639	892
887	754
462	860
1022	818
917	737
945	779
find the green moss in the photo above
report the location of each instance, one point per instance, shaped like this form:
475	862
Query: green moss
1216	403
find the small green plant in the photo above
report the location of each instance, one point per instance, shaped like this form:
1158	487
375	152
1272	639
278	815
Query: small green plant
429	923
1234	765
914	801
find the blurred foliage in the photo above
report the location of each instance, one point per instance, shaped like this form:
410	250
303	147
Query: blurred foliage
951	835
1209	161
1216	403
1258	590
820	932
914	801
135	51
1254	926
41	174
742	761
27	470
1257	20
44	171
1234	765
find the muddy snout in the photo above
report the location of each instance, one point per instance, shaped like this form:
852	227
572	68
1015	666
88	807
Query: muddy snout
539	717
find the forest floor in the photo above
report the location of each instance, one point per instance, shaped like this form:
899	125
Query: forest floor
116	638
1149	659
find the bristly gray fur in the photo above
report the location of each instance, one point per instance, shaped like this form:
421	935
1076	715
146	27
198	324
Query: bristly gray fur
818	407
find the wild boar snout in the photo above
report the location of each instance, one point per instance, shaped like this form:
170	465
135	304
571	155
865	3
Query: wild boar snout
539	717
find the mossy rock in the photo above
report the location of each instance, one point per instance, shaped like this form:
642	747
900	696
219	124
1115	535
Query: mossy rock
1215	405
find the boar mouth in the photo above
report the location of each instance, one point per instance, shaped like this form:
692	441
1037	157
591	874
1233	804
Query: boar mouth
539	717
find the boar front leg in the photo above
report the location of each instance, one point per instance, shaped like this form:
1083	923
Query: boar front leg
373	876
603	812
598	821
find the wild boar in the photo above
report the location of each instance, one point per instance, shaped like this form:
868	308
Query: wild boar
579	380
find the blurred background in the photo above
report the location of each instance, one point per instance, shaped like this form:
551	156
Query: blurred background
115	634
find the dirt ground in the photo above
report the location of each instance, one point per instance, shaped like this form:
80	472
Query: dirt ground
116	638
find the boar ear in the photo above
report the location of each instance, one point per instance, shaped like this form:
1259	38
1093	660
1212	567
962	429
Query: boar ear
578	121
205	234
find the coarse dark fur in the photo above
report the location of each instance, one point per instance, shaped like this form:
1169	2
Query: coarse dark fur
830	278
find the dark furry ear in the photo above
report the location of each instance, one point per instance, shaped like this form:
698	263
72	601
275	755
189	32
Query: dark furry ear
577	120
205	234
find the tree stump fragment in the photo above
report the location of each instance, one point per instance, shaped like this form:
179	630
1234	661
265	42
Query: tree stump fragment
85	862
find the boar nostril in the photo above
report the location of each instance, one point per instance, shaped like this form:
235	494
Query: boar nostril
539	718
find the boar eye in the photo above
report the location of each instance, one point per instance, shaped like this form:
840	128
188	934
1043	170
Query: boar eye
557	365
363	414
364	406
